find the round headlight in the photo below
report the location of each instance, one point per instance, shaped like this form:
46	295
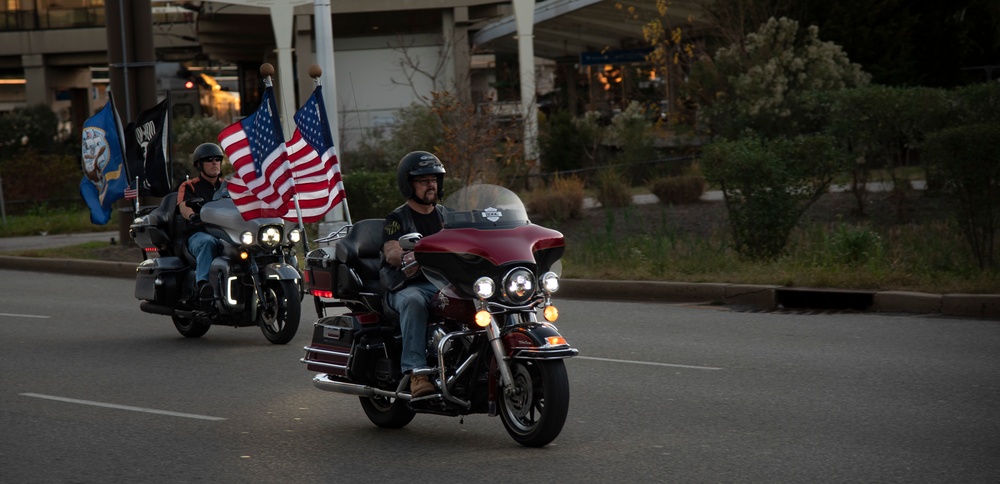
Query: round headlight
295	236
270	236
246	238
550	282
484	287
519	285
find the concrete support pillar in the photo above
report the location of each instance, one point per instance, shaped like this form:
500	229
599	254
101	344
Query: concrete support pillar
524	15
305	55
460	52
36	87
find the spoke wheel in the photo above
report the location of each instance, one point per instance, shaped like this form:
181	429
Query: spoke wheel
280	311
534	409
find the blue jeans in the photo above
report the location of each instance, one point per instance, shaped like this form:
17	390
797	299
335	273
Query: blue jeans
411	302
204	248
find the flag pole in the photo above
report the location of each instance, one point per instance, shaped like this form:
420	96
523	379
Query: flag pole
315	72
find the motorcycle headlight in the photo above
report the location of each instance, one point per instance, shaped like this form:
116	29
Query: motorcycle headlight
484	287
246	238
295	236
519	285
270	236
550	282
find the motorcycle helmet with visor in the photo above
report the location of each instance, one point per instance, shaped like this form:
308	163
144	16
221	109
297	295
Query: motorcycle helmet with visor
415	164
206	151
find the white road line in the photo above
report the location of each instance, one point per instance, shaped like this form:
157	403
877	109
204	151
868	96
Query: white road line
25	315
122	407
652	363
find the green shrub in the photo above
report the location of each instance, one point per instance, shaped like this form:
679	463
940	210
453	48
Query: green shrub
968	162
677	190
613	190
855	245
371	194
768	185
560	202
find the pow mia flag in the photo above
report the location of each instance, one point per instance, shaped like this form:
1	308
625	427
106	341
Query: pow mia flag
146	150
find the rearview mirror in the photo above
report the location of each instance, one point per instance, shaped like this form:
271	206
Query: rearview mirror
408	241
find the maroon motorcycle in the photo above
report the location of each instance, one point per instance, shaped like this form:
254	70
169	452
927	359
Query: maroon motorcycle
488	351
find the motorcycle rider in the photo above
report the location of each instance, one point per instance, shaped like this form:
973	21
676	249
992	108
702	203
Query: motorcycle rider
420	178
205	247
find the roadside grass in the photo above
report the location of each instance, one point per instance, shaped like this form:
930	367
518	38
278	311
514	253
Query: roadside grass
42	220
924	258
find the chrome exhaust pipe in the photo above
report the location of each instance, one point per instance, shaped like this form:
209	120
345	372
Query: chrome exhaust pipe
324	382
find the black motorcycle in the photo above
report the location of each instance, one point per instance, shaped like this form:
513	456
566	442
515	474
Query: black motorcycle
255	278
488	350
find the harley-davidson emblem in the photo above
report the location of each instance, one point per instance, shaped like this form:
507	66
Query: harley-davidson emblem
492	214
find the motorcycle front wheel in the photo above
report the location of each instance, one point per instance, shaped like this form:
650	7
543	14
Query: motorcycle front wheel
279	316
388	413
535	410
190	328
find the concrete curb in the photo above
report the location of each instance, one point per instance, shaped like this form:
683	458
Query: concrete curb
983	306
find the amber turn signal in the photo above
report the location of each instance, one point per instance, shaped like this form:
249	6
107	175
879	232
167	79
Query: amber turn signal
483	319
555	340
551	313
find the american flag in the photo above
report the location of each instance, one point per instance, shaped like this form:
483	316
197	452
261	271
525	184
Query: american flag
131	193
262	184
313	160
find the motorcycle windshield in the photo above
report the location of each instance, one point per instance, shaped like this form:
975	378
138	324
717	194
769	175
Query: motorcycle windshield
487	233
483	206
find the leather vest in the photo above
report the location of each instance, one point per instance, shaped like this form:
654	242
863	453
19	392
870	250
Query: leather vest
392	277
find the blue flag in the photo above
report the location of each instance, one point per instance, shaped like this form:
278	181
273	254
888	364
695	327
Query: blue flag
104	177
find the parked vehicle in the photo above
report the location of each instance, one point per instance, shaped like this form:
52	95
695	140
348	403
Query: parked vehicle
255	278
488	351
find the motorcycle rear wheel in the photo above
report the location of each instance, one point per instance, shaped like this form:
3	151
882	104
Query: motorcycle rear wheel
281	320
190	328
388	413
535	412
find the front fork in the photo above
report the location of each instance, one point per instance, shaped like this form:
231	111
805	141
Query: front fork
500	354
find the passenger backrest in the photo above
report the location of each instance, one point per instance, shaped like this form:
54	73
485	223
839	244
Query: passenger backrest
360	250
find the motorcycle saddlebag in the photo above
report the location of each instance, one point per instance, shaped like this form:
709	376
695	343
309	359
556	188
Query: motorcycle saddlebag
158	279
321	272
330	350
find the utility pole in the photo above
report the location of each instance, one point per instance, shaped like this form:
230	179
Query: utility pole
132	72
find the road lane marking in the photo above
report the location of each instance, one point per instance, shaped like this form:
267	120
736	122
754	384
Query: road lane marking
652	363
121	407
25	315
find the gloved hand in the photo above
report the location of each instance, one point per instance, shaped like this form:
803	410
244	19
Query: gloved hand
410	266
195	218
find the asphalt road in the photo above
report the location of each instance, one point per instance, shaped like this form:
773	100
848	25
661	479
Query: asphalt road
93	390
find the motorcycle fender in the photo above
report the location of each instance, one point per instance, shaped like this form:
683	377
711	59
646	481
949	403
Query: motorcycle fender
284	272
532	342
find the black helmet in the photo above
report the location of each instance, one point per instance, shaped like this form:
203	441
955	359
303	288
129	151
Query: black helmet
206	150
418	163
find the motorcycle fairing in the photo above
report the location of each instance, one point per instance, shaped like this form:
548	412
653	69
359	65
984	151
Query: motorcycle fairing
461	256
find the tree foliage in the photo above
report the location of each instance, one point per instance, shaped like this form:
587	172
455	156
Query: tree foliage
768	185
759	86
